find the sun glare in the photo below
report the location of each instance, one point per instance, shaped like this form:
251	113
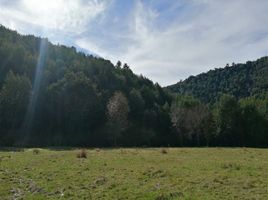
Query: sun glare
43	6
70	16
47	13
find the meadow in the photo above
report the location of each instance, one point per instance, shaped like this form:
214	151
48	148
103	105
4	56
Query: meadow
134	173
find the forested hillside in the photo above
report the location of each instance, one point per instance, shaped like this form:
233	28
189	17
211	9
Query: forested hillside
52	95
55	95
239	80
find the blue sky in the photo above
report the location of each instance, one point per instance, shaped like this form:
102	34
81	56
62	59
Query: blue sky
165	40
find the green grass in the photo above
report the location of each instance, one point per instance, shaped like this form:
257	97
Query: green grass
180	173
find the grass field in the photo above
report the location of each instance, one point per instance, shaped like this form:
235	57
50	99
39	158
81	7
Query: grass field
177	173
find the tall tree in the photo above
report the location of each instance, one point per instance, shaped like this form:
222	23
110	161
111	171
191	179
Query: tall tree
117	113
14	99
228	121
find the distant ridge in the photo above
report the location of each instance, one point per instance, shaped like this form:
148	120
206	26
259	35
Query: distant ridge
239	80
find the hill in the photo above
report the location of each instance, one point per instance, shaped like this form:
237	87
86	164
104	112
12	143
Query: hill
63	95
239	80
52	95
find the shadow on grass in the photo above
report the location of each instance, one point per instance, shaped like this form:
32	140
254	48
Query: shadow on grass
22	149
12	149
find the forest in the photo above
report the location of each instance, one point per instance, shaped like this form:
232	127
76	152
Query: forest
239	80
53	95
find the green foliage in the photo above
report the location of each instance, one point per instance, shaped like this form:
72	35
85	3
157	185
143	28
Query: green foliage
58	96
238	103
188	116
228	123
14	99
241	123
255	121
70	103
239	80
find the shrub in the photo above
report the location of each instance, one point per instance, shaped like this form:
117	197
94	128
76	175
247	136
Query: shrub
233	166
82	154
36	151
164	151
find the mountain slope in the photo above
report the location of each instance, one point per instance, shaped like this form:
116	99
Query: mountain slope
60	96
239	80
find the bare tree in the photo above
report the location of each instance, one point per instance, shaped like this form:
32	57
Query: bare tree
117	113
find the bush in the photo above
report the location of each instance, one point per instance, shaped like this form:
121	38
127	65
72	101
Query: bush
164	151
82	154
36	151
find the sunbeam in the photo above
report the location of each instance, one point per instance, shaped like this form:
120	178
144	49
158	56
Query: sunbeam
36	85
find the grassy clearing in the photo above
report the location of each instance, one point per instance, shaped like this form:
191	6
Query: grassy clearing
173	173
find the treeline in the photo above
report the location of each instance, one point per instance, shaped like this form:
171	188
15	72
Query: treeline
228	122
52	95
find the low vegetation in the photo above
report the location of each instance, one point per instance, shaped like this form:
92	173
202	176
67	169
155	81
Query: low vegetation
182	173
82	154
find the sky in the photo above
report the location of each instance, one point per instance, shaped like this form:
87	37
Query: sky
165	40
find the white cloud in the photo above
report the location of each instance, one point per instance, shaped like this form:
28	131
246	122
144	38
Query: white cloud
166	43
65	16
210	34
218	33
